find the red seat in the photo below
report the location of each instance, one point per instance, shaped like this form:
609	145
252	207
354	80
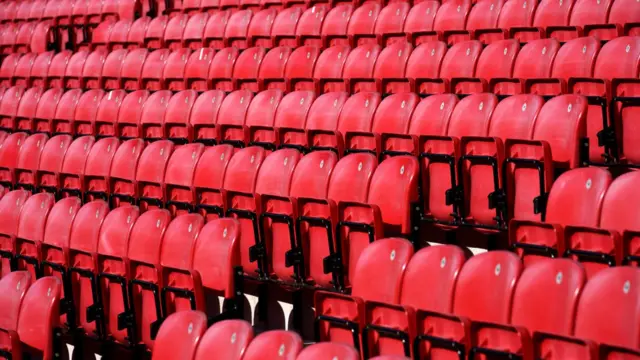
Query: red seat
622	20
179	335
51	159
214	30
235	31
29	161
57	68
11	205
586	187
86	112
150	174
547	14
174	31
154	34
40	69
153	113
9	105
300	66
24	37
176	120
600	320
197	69
208	180
63	120
151	77
496	61
516	15
9	152
22	72
583	13
275	343
178	178
217	338
418	68
46	110
221	69
9	35
75	159
291	118
329	65
95	182
232	117
130	115
118	38
390	65
204	116
383	260
259	31
247	68
27	109
321	350
73	72
122	175
137	32
459	62
101	35
145	242
14	287
173	74
110	78
92	71
192	36
9	65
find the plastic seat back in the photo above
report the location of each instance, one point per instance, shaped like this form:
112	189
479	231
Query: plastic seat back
63	120
174	32
73	166
320	350
10	207
238	333
291	117
51	161
150	173
275	343
122	176
153	115
22	72
13	288
179	335
130	115
221	69
197	69
29	161
107	114
27	109
208	180
192	37
131	71
173	74
179	177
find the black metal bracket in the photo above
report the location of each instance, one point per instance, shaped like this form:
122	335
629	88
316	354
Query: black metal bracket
388	333
493	354
147	286
256	252
591	256
341	323
540	201
95	311
438	343
455	195
294	256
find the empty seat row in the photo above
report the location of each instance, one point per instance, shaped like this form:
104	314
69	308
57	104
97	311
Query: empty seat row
344	24
233	340
66	12
487	305
30	315
35	36
599	228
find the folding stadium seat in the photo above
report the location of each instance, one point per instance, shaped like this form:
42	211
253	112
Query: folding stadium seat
215	28
389	25
28	159
247	67
37	10
73	72
30	232
242	36
496	61
545	300
532	188
547	14
154	36
459	62
94	13
621	21
24	9
232	117
122	176
601	319
57	69
307	32
23	39
46	110
176	119
321	350
109	78
418	24
10	207
204	115
272	178
617	64
516	15
325	112
513	118
101	35
415	67
329	65
583	13
37	321
82	252
114	10
194	31
586	187
9	11
209	178
450	17
130	114
9	152
63	120
40	69
27	109
272	69
221	69
179	335
95	183
131	70
22	73
86	111
51	159
291	118
334	25
178	178
137	33
92	70
534	60
197	69
284	25
275	343
13	288
73	166
118	38
391	64
174	31
360	22
358	66
9	35
7	70
51	9
194	7
150	174
43	38
9	107
173	74
381	321
152	70
153	113
346	310
217	337
470	117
